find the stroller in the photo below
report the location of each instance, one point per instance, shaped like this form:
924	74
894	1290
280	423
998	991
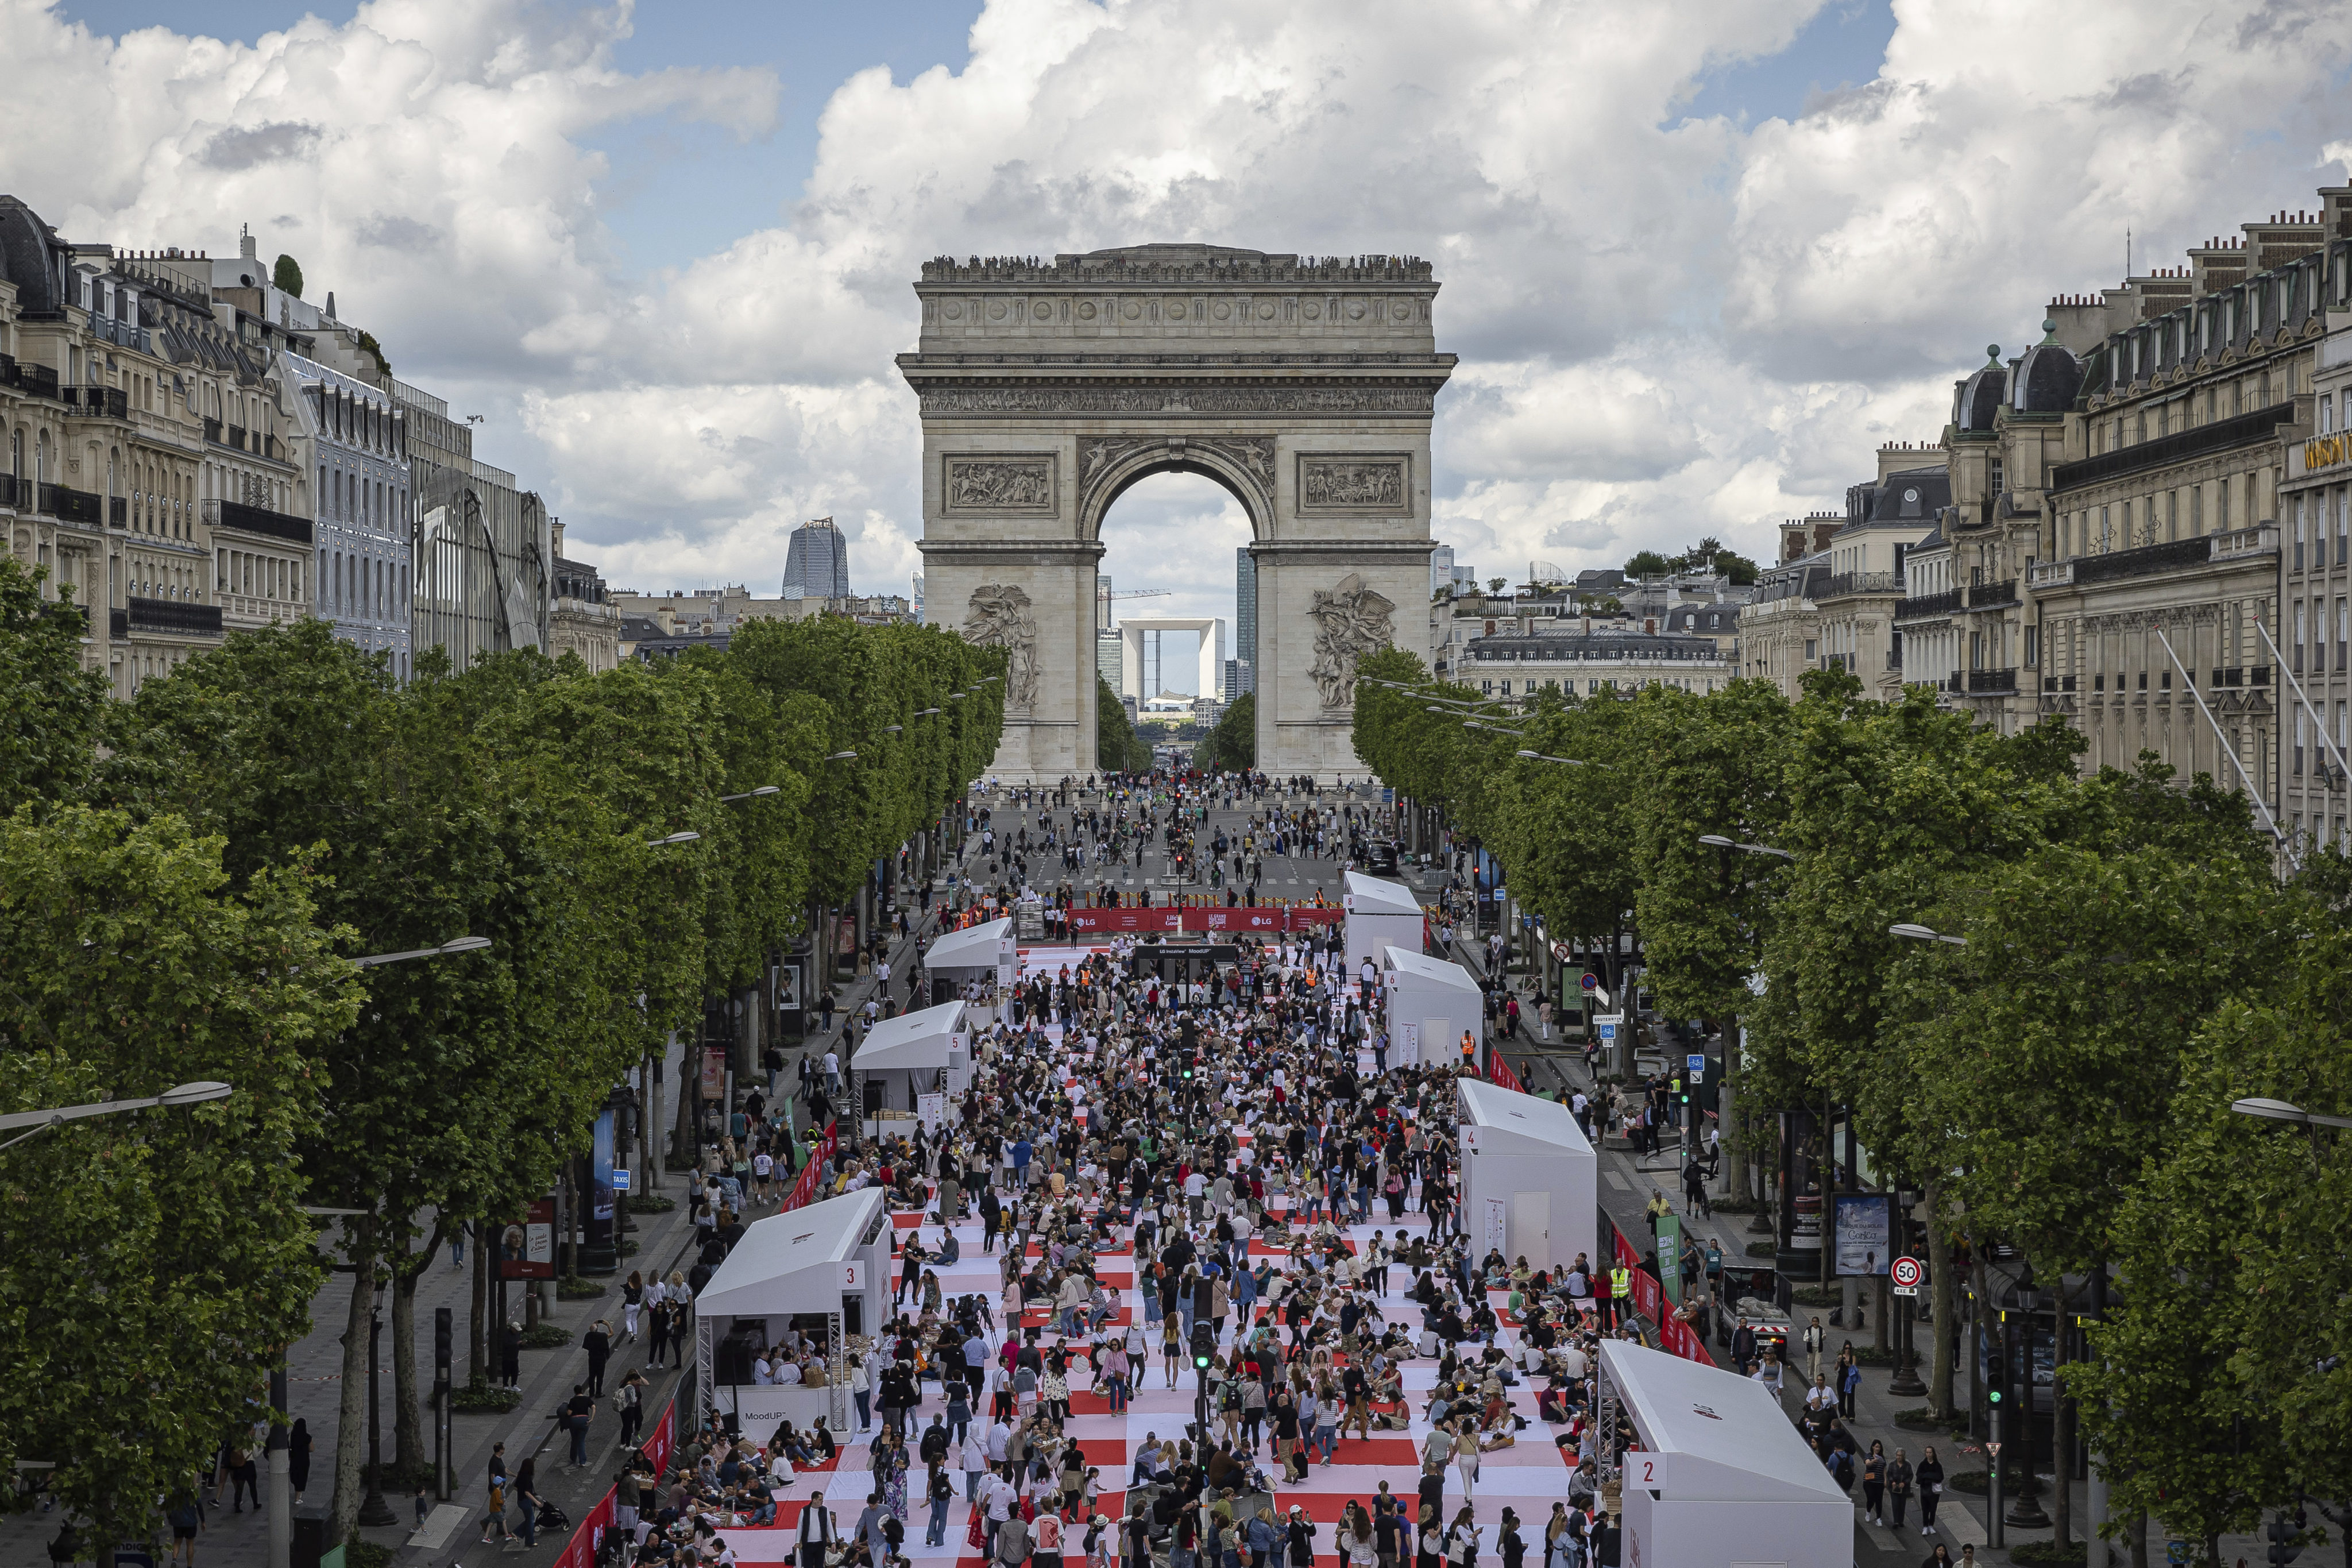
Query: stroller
551	1517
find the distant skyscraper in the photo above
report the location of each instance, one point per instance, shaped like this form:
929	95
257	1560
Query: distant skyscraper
816	566
1441	569
919	599
1110	658
1244	607
1102	603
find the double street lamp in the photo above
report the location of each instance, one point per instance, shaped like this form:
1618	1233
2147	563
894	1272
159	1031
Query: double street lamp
1718	841
40	1122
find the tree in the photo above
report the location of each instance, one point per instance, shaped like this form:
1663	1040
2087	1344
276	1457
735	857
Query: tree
1497	584
1710	765
1118	748
153	1266
49	723
287	276
1648	563
1232	746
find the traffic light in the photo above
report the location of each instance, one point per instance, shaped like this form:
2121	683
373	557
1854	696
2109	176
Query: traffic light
2285	1536
1205	1346
444	1338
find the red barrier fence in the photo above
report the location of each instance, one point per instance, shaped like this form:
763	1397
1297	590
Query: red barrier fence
1500	1072
1253	918
804	1188
1675	1336
580	1551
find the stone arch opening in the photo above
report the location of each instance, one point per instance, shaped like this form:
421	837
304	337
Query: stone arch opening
1303	385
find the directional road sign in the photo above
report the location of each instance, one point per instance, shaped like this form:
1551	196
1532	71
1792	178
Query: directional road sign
620	1180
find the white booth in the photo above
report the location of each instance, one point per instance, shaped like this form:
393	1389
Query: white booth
1528	1177
823	1270
916	1054
1720	1476
1431	1002
1380	915
988	953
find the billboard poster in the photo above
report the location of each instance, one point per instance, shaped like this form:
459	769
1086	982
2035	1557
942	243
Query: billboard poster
1865	1226
788	987
527	1249
1409	1044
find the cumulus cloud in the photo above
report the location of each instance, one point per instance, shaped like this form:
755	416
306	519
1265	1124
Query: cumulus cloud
1669	326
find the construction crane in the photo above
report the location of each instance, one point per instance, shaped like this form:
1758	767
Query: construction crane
1139	593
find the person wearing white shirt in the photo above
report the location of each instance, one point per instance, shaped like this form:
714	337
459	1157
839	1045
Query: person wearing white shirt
787	1369
762	1374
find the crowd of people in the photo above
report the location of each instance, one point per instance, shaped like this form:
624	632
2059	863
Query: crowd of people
1137	1159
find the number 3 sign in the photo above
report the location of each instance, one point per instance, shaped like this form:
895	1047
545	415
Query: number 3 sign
852	1275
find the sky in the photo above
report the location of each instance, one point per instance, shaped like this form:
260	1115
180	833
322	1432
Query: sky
1699	258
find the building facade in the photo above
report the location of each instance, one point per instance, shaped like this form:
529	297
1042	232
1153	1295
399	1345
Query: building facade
359	460
2315	592
582	620
1589	663
481	561
816	563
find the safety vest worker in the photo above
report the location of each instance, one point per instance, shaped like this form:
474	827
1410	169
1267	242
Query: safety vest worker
1469	1048
1620	1282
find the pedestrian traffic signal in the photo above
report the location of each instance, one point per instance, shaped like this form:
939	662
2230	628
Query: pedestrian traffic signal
2285	1536
1205	1346
444	1337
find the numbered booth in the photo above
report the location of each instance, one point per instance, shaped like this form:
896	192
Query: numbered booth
823	1271
988	953
1529	1177
917	1060
1381	915
1717	1475
1430	1002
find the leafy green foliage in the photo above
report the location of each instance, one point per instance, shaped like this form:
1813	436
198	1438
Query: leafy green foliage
288	274
152	1265
1118	748
1232	746
49	721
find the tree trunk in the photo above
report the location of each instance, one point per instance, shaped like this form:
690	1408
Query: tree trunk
407	1431
1881	1310
1946	1299
478	1359
351	1419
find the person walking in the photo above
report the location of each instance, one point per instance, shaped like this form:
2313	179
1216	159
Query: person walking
494	1501
939	1492
1815	1337
631	1403
1899	1478
527	1501
1873	1483
1929	1476
598	1342
298	1458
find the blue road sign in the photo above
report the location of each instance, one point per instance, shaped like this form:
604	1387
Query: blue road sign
1587	981
1698	1060
620	1180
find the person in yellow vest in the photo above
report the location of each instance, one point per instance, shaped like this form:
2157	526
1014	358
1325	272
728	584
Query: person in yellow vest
1469	1050
1621	1295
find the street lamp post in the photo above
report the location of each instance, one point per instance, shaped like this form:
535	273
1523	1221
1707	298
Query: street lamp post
375	1513
2280	1110
2026	1512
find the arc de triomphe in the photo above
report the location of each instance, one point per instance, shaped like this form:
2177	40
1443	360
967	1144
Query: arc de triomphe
1304	386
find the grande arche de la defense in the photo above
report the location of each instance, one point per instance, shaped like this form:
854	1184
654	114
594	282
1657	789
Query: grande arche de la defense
1303	385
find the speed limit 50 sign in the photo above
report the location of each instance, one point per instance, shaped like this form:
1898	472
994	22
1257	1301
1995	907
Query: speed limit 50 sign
1905	1272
